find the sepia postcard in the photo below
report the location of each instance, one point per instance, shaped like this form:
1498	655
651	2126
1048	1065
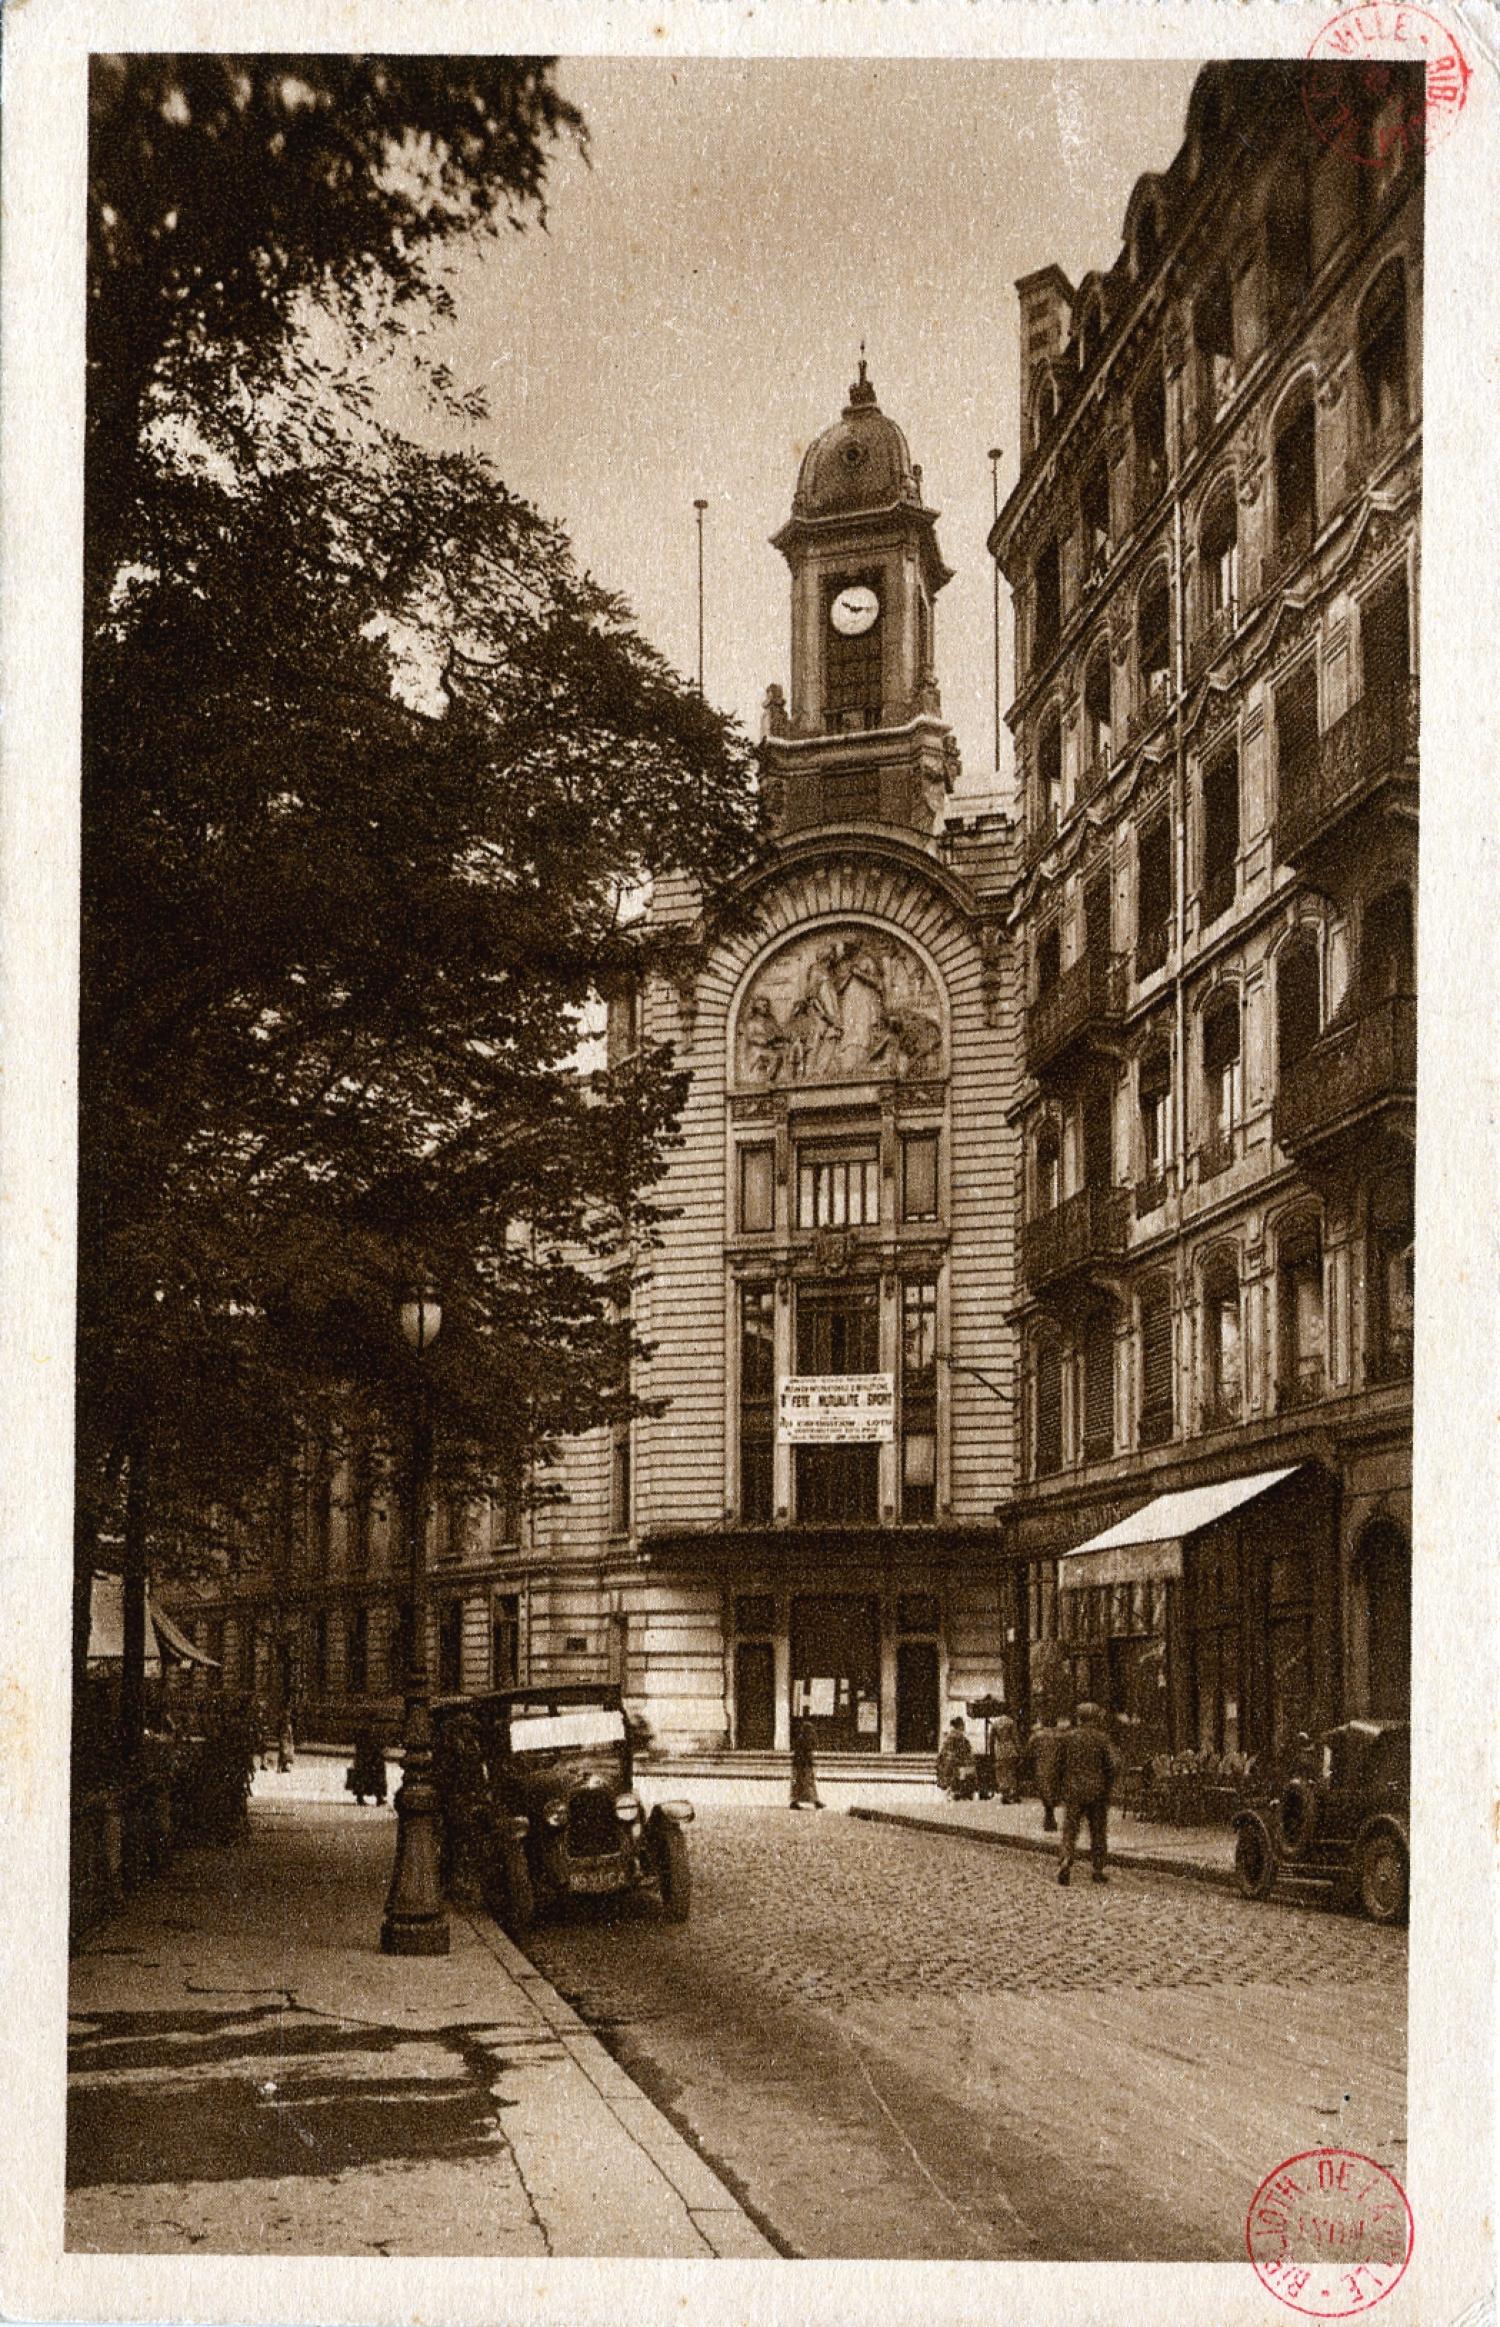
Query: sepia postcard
748	855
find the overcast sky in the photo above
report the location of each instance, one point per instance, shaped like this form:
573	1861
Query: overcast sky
693	314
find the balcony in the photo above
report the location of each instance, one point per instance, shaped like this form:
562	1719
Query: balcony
1151	949
1150	1194
1215	1155
1213	635
1040	834
1302	1388
1370	752
1088	1001
1156	693
1094	774
1354	1073
1086	1228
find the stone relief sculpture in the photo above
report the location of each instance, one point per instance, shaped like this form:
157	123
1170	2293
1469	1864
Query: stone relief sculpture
840	1006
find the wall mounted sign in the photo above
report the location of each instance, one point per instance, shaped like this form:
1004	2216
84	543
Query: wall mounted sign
837	1409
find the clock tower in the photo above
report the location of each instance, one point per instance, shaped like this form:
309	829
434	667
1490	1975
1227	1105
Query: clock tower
864	740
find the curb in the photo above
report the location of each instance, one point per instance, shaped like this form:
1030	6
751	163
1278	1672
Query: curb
1147	1862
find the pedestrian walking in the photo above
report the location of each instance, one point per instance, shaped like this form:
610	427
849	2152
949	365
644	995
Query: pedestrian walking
1088	1777
366	1773
1046	1768
956	1771
1005	1750
805	1795
286	1742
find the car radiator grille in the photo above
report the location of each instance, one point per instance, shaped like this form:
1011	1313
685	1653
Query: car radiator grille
593	1827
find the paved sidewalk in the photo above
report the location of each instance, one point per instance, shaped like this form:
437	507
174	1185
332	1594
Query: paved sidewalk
1202	1853
249	2074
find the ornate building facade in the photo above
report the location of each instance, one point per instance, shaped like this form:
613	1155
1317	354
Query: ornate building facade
1214	553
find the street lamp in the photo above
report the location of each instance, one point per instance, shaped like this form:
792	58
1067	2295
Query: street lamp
416	1920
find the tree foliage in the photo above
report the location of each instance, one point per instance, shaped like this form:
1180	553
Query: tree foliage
371	774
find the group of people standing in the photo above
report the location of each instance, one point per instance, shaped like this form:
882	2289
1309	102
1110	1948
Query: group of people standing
1073	1766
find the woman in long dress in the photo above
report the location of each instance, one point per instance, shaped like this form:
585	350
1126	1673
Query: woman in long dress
804	1777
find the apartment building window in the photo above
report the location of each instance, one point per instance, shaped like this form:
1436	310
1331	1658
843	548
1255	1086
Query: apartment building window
1153	901
1048	1379
1093	502
1047	600
622	1023
1218	560
1296	729
838	1332
450	1659
1299	1312
1382	356
1049	790
1048	1171
757	1189
919	1175
1154	641
1148	415
1213	339
1223	1366
619	1478
357	1652
1098	724
1099	1382
1386	955
1158	1405
321	1510
1288	243
1221	1083
1155	1083
361	1495
1221	835
320	1653
505	1640
1385	641
919	1398
853	674
1048	959
839	1186
757	1395
1391	1242
1296	466
1298	1001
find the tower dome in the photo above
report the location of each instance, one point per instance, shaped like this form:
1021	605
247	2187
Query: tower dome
862	462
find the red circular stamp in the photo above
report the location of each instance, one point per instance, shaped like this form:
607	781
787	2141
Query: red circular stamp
1329	2233
1360	100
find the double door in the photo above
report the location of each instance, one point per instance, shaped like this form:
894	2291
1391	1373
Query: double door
835	1669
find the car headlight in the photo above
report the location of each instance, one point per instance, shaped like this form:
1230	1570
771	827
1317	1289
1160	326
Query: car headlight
627	1809
556	1814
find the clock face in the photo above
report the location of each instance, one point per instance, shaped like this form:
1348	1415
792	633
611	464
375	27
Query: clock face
855	610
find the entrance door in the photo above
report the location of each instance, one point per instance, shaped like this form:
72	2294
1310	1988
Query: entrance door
917	1696
836	1670
754	1696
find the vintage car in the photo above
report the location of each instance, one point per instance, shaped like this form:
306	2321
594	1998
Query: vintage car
1342	1817
534	1789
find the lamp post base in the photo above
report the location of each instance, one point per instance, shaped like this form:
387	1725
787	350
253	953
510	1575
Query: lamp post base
416	1920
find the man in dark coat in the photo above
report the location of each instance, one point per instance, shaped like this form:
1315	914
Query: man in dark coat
1046	1767
1088	1777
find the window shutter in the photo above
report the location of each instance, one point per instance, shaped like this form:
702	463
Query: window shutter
1156	1353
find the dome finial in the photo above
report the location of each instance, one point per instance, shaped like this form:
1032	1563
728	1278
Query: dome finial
860	391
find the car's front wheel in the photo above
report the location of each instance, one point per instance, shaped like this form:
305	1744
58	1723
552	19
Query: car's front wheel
674	1873
1384	1875
1254	1859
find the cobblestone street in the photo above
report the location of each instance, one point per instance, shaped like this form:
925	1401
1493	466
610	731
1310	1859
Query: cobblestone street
896	2043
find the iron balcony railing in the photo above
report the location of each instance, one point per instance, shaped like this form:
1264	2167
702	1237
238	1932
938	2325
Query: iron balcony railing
1090	1226
1355	1068
1374	742
1213	635
1086	999
1040	834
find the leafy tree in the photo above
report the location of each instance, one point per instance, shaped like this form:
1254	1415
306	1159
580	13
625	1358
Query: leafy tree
371	775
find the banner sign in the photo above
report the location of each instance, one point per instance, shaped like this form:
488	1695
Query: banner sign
837	1409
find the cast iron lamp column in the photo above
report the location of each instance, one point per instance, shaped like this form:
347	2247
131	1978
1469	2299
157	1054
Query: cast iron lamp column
416	1920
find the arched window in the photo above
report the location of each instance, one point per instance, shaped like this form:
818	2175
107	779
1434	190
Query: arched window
1382	357
1154	894
1098	728
1223	1348
1296	468
1221	835
1299	1019
1218	563
1288	242
1154	1079
1386	948
1046	600
1300	1337
1047	1379
1048	1171
1221	1083
1153	633
1213	340
1048	959
1148	415
1158	1402
1046	403
1093	506
1049	772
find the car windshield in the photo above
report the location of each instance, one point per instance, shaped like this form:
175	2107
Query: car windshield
572	1725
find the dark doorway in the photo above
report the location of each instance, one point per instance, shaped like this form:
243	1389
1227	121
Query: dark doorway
917	1696
754	1696
836	1670
1386	1561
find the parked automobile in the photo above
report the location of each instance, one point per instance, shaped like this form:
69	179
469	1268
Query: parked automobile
1341	1818
535	1792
